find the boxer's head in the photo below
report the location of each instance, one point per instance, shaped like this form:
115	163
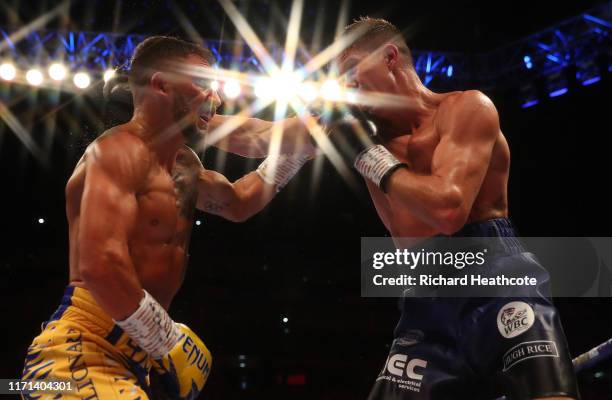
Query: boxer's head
372	62
162	73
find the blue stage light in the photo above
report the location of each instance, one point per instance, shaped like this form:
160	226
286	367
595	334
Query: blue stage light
591	81
529	104
558	92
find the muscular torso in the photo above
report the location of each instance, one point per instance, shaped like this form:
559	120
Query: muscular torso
417	149
159	243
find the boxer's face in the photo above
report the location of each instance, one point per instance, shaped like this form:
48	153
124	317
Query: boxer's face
368	73
193	101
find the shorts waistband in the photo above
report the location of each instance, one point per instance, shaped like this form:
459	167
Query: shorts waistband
502	230
80	301
496	227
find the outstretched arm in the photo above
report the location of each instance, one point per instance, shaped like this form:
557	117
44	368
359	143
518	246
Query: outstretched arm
445	197
240	200
251	137
237	201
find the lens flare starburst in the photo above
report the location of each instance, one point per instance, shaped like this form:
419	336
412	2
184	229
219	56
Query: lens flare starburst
289	87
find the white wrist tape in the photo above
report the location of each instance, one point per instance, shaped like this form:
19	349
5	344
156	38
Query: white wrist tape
278	169
376	164
151	327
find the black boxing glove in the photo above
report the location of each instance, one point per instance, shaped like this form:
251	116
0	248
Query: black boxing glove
117	89
118	98
354	136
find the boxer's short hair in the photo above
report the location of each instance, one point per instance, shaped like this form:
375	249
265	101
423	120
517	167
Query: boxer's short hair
375	32
157	52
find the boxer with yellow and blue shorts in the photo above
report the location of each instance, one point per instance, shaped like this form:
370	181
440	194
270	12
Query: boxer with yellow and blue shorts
81	343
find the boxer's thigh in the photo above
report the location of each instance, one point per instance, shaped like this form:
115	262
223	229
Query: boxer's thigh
519	344
422	369
66	352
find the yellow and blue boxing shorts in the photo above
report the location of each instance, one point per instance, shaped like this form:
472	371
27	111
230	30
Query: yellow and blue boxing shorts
81	344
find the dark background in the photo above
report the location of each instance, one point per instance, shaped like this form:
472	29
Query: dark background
299	257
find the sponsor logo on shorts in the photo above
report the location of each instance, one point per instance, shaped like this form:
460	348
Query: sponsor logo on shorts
404	372
514	319
525	350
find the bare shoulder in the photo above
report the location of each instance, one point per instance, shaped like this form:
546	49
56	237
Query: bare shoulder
471	110
469	100
121	154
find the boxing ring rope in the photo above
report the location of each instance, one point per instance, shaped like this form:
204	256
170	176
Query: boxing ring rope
593	357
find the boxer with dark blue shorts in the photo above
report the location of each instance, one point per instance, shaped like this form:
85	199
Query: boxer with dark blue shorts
481	347
438	164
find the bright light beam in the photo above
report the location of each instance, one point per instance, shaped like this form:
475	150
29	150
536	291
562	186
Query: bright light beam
250	37
286	80
231	88
235	121
322	140
308	92
332	51
293	35
330	90
185	22
37	24
22	134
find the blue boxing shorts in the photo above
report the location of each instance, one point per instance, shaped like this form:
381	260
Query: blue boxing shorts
510	347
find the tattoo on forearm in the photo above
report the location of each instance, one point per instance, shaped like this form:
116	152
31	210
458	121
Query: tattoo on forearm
214	207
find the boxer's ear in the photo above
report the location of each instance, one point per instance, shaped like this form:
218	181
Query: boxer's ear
391	55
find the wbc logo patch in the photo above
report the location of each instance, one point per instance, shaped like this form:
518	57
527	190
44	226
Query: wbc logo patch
514	319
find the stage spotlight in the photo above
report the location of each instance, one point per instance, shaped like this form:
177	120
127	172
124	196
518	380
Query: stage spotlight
281	86
7	71
588	73
285	85
108	75
556	84
231	88
214	85
331	90
57	71
308	92
34	77
263	88
81	80
558	92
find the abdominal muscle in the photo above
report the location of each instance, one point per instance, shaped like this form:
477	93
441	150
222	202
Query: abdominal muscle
160	270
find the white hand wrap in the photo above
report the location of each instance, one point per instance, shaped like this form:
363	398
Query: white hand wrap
278	169
151	327
376	163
